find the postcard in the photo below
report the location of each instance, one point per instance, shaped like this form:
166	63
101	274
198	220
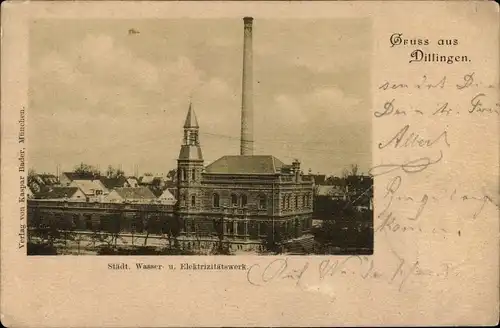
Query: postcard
249	163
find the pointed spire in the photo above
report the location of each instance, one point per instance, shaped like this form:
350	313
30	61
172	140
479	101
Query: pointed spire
191	121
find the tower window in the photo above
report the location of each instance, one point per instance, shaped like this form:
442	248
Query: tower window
234	200
243	200
184	175
193	200
304	204
262	201
288	201
193	175
215	200
296	201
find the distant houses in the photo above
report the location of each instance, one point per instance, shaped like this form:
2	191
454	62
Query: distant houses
92	187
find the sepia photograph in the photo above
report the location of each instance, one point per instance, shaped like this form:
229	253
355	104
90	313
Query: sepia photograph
199	137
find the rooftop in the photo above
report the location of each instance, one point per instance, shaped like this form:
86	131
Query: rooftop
135	193
57	193
255	164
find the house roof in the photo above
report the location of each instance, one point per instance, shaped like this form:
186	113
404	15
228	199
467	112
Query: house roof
166	194
156	191
88	185
79	176
135	193
48	179
132	180
257	164
173	191
114	182
57	193
146	179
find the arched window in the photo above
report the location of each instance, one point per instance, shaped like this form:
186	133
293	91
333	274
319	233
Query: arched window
283	202
193	200
184	199
243	200
234	200
296	201
288	201
215	200
304	204
193	174
262	201
184	175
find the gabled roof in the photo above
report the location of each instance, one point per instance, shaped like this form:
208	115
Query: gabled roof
191	121
57	193
87	186
48	179
135	193
80	176
114	182
156	191
256	164
166	195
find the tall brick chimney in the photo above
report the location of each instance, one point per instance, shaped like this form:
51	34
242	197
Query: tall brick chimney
246	146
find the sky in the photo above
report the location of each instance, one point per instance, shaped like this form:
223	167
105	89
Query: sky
104	96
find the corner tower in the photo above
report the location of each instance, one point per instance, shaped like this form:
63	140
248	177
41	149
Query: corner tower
190	165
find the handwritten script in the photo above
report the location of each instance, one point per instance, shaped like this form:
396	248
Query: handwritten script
416	196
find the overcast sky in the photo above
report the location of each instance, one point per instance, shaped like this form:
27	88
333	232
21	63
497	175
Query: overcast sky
101	95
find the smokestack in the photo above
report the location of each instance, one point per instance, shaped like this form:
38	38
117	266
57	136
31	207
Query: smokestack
246	147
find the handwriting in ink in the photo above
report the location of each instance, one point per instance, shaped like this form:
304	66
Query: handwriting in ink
429	85
478	106
413	166
443	109
413	139
468	79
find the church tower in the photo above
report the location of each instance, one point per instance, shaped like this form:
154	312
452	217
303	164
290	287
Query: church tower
190	165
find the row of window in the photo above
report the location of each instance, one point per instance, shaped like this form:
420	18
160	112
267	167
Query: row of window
239	201
286	201
242	201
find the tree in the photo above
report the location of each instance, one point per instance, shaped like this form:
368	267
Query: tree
172	175
112	172
273	242
171	226
31	176
87	171
111	225
153	226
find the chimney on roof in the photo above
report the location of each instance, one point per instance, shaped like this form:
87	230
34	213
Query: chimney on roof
246	146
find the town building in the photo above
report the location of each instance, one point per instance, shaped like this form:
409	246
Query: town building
94	190
137	195
249	197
